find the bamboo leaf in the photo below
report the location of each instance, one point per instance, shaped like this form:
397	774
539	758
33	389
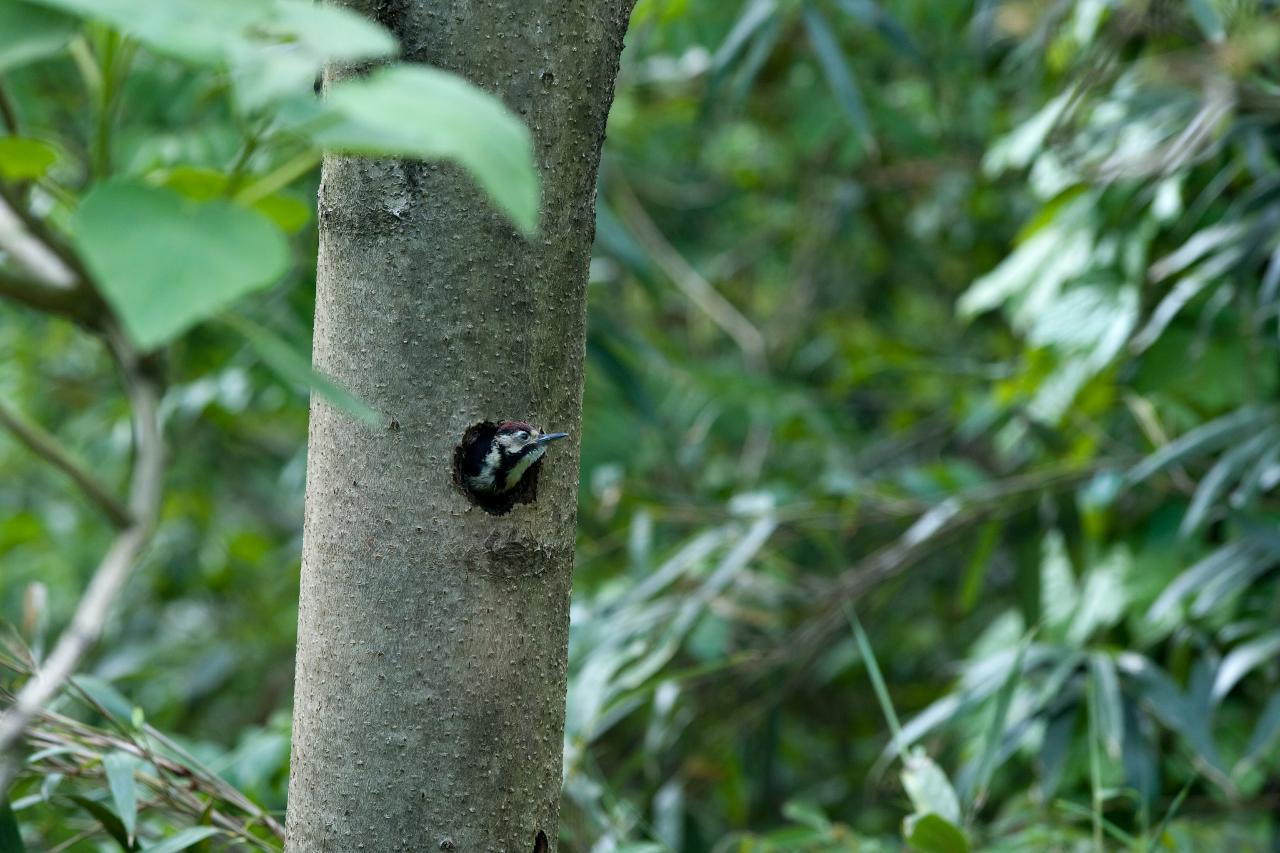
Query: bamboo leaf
1244	658
755	14
1227	470
10	835
1110	710
120	769
107	818
1212	436
182	840
996	729
839	75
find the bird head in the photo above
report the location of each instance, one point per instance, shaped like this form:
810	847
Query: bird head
497	465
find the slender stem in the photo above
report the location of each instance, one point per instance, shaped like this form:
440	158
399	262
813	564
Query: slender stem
7	113
34	294
280	177
691	283
44	445
106	96
1095	767
145	493
236	175
22	231
28	251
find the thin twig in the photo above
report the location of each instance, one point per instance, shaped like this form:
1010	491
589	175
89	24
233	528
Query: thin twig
34	294
32	254
691	282
938	527
44	445
8	114
47	239
721	311
145	491
51	730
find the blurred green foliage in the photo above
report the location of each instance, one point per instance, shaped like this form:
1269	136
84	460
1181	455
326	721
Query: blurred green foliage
931	436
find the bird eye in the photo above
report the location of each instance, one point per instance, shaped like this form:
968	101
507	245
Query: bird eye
522	436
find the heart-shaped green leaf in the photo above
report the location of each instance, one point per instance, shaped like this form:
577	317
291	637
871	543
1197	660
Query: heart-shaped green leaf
165	262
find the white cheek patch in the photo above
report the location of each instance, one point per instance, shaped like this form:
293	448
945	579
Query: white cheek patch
525	462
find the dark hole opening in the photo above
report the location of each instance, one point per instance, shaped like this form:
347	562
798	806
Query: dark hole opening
540	844
468	455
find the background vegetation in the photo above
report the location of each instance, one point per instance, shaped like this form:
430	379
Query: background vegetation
931	436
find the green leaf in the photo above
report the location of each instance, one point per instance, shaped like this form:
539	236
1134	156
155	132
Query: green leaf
120	767
191	30
416	111
28	33
10	835
293	367
996	730
295	44
1236	576
110	822
928	787
1244	658
807	814
166	263
1207	19
877	682
329	33
23	159
1204	439
839	75
183	840
1059	592
979	562
931	833
200	184
1228	469
873	15
1055	749
105	694
1172	707
298	33
1110	710
754	16
1264	733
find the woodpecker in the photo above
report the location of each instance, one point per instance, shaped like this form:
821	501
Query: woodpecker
497	459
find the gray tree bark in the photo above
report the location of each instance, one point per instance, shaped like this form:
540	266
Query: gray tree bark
433	636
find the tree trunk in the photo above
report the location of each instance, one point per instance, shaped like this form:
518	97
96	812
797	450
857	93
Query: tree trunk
433	636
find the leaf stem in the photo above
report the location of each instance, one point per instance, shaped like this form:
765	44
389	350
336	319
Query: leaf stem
7	113
280	177
47	447
146	490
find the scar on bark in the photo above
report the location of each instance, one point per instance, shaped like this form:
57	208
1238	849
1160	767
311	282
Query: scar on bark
523	492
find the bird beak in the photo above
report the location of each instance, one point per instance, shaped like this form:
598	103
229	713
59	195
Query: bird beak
551	436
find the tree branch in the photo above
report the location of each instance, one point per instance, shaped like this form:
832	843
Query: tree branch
34	294
28	251
44	445
146	488
691	283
